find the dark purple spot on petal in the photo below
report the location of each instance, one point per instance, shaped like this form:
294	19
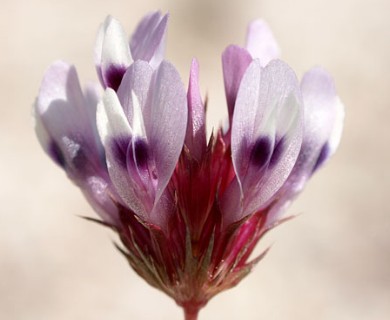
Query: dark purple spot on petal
278	150
80	161
141	153
138	161
261	151
102	159
114	75
56	154
324	154
119	147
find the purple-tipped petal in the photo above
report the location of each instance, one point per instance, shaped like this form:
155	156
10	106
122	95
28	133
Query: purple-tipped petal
148	41
235	61
116	135
196	133
112	53
166	122
260	42
266	133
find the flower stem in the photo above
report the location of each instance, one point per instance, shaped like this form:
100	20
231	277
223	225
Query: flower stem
191	313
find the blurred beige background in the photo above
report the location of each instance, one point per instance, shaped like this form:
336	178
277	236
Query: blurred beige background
332	262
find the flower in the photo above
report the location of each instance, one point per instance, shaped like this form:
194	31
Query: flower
188	210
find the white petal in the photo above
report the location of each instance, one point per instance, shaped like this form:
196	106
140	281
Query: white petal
116	55
111	120
115	48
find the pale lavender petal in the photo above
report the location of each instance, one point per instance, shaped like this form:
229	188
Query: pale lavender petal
260	42
231	203
196	133
324	115
337	130
235	61
93	94
44	137
116	135
321	102
66	128
63	122
323	122
136	80
100	195
166	122
148	41
266	133
163	210
60	83
115	56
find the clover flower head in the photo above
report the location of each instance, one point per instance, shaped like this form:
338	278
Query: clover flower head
188	209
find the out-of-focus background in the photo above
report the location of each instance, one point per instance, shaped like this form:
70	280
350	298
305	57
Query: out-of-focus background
332	262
